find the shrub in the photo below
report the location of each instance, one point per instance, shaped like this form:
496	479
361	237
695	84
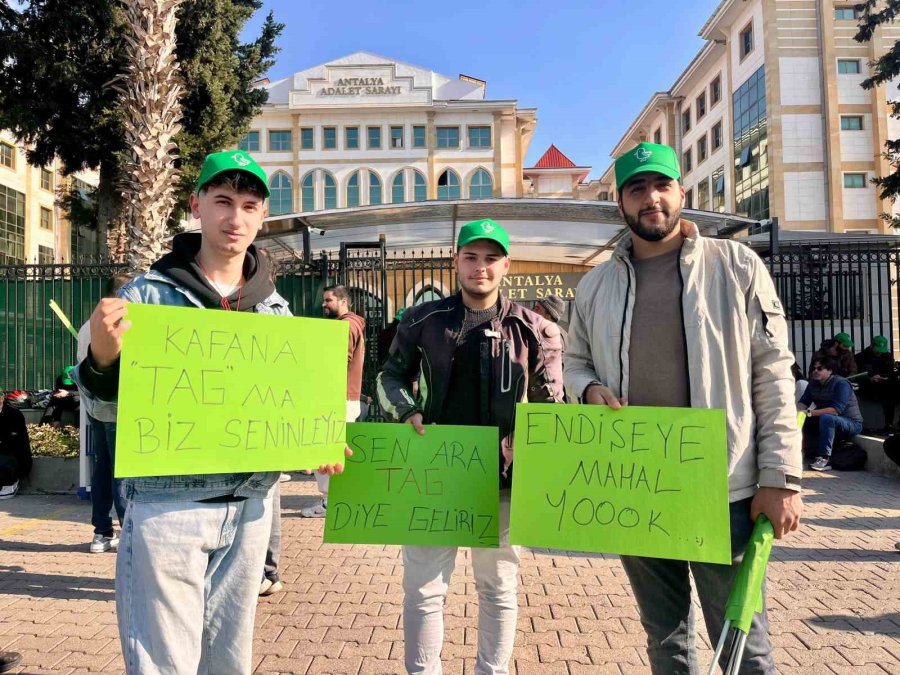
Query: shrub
48	441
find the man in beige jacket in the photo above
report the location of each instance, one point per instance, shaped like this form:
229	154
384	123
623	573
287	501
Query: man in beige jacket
676	320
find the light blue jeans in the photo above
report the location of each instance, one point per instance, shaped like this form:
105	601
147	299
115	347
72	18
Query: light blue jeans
187	579
426	578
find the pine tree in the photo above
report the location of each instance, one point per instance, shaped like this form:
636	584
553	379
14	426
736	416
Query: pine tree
884	70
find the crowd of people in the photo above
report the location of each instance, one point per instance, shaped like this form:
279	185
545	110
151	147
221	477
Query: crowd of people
648	327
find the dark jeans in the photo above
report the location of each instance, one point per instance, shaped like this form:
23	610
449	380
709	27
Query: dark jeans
9	471
835	426
273	551
105	490
662	589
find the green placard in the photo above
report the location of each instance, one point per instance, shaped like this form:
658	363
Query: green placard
440	489
637	481
203	391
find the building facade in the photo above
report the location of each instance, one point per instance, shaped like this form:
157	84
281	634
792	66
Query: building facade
769	119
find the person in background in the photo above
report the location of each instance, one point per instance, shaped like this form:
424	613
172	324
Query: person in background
552	308
386	336
15	449
880	382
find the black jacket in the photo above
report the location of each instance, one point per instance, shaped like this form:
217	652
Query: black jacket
521	361
14	439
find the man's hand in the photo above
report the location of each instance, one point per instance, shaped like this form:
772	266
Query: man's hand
333	469
597	394
416	421
108	323
782	507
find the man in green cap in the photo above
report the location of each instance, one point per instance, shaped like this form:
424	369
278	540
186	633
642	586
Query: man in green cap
677	320
192	547
879	383
484	354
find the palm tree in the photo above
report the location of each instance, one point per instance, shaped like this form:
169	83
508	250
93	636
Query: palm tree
152	113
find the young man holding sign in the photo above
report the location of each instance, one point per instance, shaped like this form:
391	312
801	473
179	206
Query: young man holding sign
676	320
192	546
476	355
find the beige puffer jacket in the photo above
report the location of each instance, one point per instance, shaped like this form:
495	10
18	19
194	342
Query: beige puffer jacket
738	356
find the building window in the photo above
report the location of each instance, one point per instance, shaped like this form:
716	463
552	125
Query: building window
308	192
746	40
45	255
398	191
396	137
46	219
703	195
448	185
718	182
281	195
12	225
687	161
750	143
307	140
481	186
851	122
689	199
46	180
329	138
330	191
353	190
715	90
374	188
849	67
418	136
420	190
702	152
373	136
604	196
686	120
479	137
701	105
717	136
7	157
249	142
279	141
448	137
351	138
854	180
846	13
657	136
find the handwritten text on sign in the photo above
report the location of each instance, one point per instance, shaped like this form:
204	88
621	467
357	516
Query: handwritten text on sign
205	391
440	489
638	481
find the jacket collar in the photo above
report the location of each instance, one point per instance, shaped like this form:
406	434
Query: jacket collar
274	300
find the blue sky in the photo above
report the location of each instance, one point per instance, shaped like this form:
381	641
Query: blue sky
588	67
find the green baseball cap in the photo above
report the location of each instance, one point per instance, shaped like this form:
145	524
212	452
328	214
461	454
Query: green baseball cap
844	339
880	344
483	229
646	158
66	377
230	160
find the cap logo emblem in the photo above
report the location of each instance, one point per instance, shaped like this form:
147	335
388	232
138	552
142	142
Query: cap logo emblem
240	160
486	227
642	154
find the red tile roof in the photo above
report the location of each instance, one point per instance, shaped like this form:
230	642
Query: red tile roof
554	159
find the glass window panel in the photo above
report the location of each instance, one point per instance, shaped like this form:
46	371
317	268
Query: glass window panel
279	141
420	191
481	185
353	190
418	136
479	137
330	191
351	138
854	180
308	193
448	185
397	189
851	123
250	142
374	188
374	137
329	138
307	140
396	137
281	195
448	137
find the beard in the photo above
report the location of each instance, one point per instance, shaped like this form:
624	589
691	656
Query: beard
653	232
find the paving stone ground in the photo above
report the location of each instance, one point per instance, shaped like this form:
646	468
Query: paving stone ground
834	591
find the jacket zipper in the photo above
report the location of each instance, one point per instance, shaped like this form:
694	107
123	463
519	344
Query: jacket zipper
684	333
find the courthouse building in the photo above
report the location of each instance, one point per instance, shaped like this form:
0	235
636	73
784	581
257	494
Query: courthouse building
769	118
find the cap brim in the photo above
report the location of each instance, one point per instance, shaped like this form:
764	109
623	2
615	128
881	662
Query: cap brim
648	168
227	169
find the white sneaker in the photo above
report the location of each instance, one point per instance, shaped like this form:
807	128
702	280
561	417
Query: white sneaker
9	491
102	543
317	511
284	478
821	464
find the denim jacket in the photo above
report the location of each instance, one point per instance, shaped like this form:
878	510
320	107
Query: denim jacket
153	288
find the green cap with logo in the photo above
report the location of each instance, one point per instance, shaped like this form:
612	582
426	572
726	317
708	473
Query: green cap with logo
880	344
66	377
230	160
844	340
647	158
483	229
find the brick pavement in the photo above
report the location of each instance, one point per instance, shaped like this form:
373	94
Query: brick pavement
834	593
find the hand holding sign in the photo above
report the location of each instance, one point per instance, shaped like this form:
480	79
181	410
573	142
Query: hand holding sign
108	324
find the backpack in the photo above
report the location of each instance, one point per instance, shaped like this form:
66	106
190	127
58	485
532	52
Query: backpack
848	457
